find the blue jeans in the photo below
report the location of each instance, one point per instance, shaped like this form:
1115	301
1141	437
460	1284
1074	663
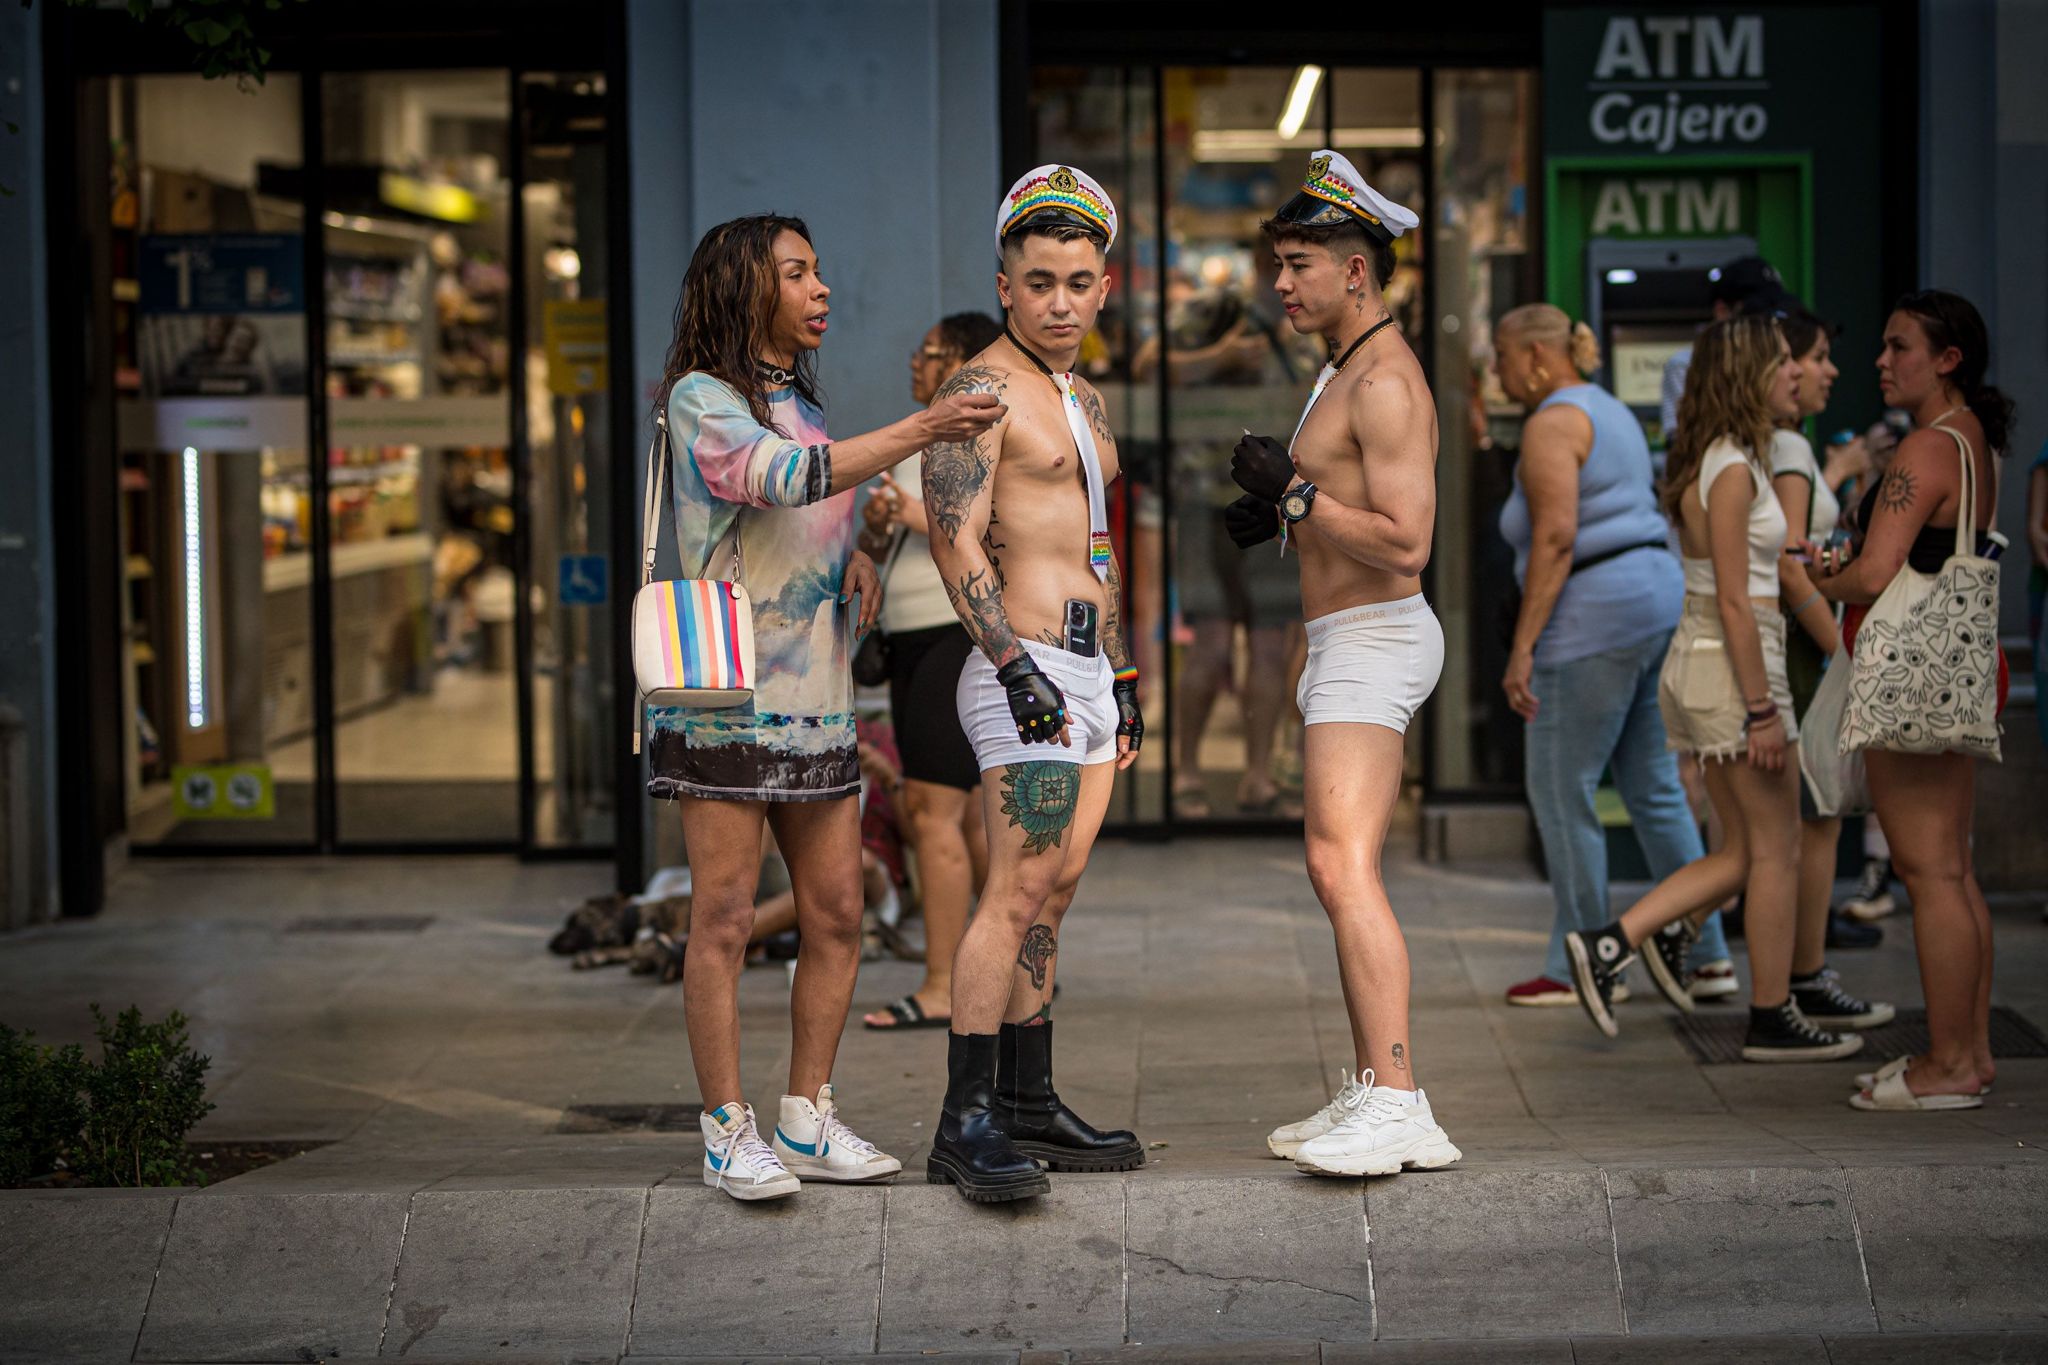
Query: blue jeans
1593	715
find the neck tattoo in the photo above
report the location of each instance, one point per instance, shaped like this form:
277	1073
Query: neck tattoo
1337	367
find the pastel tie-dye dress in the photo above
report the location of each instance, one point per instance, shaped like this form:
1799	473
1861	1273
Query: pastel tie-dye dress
795	742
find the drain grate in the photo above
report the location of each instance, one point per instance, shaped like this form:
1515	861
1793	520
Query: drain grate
1717	1037
359	924
630	1118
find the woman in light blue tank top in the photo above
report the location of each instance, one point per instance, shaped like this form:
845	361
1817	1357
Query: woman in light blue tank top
1601	593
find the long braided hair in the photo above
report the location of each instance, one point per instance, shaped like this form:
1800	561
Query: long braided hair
726	306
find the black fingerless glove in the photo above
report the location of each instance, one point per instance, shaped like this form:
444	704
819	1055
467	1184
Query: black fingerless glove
1035	704
1130	722
1251	520
1262	467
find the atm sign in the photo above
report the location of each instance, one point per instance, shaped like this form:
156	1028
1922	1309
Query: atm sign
1668	206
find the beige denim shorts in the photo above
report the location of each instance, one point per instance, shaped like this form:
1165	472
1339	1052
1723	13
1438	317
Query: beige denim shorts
1697	691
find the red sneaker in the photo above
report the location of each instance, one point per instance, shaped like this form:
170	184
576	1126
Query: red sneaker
1542	991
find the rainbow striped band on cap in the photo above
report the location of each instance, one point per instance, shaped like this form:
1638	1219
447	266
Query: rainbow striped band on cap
1323	183
1057	188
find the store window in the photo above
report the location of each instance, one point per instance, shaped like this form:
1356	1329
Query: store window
204	260
1194	351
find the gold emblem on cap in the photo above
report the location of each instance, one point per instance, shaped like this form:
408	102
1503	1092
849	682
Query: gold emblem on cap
1318	167
1063	180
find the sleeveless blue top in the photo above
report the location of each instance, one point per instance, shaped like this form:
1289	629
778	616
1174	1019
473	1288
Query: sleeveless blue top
1628	598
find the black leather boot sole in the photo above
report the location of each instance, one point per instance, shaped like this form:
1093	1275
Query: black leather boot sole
939	1169
1123	1157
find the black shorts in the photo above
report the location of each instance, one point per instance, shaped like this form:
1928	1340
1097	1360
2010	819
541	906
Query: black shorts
924	673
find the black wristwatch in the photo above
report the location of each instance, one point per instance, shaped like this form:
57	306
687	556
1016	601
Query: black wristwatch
1296	501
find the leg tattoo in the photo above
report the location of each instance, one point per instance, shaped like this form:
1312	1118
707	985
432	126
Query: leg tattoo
1037	954
1039	799
1400	1058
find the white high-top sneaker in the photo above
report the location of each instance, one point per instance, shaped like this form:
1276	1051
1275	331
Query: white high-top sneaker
737	1161
813	1144
1377	1134
1286	1140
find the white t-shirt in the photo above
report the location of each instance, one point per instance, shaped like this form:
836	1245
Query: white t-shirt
1792	453
914	598
1766	525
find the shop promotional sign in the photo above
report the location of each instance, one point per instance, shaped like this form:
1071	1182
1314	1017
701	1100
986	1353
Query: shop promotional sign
223	791
223	315
578	348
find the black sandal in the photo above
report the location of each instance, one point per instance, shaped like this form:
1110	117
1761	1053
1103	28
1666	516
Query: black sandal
908	1014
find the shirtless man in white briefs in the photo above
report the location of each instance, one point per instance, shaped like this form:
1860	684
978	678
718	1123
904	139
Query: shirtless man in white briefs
1355	491
1049	700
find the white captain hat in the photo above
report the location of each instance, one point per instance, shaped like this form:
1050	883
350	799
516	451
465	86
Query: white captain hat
1334	192
1056	193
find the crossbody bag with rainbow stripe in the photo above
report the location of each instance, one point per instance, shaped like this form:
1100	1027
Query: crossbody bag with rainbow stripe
693	638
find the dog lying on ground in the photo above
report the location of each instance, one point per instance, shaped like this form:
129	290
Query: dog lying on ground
608	930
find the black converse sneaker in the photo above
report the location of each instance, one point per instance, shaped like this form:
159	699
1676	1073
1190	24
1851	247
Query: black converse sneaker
1598	957
1873	898
1666	961
1783	1034
1820	998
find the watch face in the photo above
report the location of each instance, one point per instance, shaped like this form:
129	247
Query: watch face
1296	507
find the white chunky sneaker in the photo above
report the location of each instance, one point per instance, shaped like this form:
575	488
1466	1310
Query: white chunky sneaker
737	1161
1286	1140
1378	1133
814	1145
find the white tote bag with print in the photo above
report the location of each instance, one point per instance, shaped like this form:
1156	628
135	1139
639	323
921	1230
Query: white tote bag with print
1926	665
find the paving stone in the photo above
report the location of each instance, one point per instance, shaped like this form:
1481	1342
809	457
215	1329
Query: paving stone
1232	1353
275	1276
1769	1249
1035	1272
509	1271
1501	1351
1950	1348
1698	1350
1484	1253
799	1274
1240	1260
1954	1248
75	1273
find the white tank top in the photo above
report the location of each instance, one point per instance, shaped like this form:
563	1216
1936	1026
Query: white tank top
1766	525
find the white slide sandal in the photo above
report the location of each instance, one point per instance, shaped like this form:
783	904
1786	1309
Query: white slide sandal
1891	1095
1895	1067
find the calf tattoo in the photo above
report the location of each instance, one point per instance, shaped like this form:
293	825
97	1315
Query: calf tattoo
1039	799
1400	1058
1035	957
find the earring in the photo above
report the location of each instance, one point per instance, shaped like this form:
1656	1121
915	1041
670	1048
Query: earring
1351	289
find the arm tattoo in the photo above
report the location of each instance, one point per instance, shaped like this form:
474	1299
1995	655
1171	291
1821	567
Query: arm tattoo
1113	617
1895	494
1039	798
1400	1058
955	471
1035	957
1091	403
991	543
978	602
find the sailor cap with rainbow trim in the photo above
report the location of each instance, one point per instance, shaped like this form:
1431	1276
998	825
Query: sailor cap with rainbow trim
1335	192
1056	192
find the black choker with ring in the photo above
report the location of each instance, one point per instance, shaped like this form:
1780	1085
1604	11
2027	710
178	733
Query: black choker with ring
774	376
1352	349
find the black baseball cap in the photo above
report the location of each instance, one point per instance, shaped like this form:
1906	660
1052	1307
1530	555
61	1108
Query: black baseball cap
1749	281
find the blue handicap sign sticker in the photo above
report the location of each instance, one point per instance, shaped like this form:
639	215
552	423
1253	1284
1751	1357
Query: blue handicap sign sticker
582	581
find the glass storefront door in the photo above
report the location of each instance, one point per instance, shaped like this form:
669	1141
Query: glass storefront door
401	640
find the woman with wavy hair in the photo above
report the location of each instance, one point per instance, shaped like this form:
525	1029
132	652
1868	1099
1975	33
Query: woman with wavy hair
1725	699
1932	366
764	496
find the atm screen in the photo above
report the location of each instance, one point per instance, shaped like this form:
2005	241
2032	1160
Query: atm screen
1637	353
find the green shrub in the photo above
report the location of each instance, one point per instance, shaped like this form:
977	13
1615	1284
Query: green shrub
41	1109
145	1092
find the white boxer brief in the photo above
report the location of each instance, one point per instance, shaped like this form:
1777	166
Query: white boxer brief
1091	710
1374	665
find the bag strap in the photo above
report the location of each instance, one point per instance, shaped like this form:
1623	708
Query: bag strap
659	475
1966	513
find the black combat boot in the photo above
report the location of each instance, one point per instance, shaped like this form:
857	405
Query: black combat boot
970	1150
1030	1111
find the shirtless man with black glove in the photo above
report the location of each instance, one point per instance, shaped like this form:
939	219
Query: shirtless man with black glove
1021	538
1355	489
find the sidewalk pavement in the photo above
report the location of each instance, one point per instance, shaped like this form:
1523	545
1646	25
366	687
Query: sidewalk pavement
1609	1189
